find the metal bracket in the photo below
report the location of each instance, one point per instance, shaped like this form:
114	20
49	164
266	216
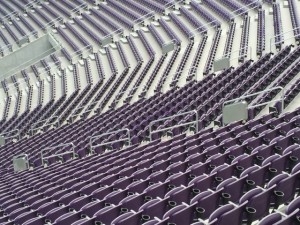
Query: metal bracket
175	126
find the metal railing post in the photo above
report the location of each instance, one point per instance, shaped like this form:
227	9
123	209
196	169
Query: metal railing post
197	120
129	138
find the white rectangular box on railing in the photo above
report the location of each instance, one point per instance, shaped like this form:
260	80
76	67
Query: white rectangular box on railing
235	112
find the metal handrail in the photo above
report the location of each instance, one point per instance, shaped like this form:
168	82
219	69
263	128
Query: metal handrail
144	17
13	131
111	142
28	5
77	8
171	4
39	122
246	7
82	112
284	39
175	126
118	31
183	70
79	52
76	114
4	47
122	92
193	33
49	24
94	103
56	153
255	94
59	117
53	123
230	59
7	16
33	128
